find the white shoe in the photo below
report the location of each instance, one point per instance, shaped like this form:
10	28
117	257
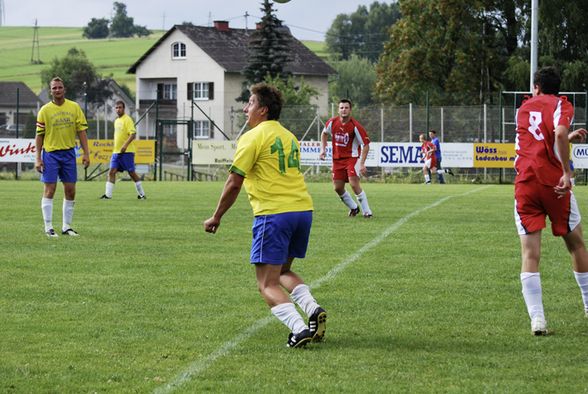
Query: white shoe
538	326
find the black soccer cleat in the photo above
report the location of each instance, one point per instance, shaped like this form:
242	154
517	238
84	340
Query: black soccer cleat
142	197
299	340
70	232
317	324
450	172
353	212
51	233
105	197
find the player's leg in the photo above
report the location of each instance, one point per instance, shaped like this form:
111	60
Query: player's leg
111	180
339	186
426	172
575	244
531	281
68	174
49	178
353	175
269	252
138	184
440	171
128	164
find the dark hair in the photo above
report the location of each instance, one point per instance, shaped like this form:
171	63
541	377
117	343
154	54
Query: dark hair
269	96
433	131
120	102
548	80
344	100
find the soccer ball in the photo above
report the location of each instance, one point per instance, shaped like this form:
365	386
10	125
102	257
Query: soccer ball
281	1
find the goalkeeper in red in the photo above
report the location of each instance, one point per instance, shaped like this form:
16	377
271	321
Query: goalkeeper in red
267	163
350	148
543	188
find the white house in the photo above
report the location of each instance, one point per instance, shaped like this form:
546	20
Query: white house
204	64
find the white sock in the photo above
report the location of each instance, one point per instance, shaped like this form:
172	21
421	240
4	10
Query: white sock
348	200
68	210
288	315
109	189
531	283
582	279
139	188
301	295
427	178
47	209
441	171
363	201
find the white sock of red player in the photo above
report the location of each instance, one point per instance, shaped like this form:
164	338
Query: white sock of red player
363	201
348	200
531	283
582	279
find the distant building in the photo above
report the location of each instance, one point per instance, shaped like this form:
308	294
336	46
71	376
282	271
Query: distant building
204	64
16	97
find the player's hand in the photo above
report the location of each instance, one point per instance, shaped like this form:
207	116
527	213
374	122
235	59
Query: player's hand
578	135
322	155
211	225
86	160
363	169
123	149
564	185
39	166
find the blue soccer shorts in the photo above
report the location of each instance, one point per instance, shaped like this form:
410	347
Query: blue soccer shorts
59	164
278	237
123	161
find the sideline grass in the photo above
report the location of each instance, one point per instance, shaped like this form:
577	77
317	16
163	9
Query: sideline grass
144	293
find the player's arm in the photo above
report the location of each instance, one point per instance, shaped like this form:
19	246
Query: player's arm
562	144
39	140
578	135
324	139
364	152
227	199
83	136
123	149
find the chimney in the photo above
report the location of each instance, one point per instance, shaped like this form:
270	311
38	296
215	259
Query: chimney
221	25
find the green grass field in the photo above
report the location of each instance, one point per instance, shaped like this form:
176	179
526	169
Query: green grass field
423	298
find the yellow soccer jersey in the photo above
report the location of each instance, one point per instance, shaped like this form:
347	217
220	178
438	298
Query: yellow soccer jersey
60	125
268	156
124	126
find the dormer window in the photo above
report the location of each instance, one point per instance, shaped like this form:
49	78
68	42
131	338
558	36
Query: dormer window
178	50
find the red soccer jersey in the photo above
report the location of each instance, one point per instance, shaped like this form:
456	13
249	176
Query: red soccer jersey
347	138
537	156
428	148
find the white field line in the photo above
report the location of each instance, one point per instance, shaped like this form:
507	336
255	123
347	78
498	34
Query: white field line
199	366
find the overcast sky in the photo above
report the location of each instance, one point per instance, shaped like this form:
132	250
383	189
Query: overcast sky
307	19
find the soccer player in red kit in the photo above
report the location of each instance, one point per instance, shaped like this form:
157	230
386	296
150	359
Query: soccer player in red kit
543	188
350	148
429	158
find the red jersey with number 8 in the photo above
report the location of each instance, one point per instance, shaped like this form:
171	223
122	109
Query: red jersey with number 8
537	156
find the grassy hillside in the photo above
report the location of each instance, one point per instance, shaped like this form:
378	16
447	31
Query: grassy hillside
110	56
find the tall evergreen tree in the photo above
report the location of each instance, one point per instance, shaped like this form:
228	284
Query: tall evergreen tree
267	51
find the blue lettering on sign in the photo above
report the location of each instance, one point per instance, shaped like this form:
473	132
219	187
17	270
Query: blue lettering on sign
581	152
400	154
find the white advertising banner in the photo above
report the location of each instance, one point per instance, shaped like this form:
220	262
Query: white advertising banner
408	154
580	155
457	155
17	150
213	152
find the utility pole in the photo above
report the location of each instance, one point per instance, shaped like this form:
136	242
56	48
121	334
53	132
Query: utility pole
36	59
2	20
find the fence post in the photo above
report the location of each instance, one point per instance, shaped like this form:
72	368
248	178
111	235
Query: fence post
410	122
442	125
17	126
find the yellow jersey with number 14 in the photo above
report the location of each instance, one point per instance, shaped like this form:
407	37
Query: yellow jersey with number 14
268	156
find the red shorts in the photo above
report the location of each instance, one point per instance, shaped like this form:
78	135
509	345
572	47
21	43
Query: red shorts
534	201
343	169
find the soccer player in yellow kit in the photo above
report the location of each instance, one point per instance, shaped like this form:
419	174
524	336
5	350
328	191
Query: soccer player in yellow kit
58	123
267	163
123	152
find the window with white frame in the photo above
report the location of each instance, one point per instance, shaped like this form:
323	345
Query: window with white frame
170	91
200	90
201	129
178	50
